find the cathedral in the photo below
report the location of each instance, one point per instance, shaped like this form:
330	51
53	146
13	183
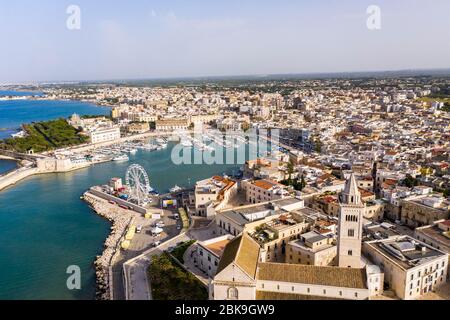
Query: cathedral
351	210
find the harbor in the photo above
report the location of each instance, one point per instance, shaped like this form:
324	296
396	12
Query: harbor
75	235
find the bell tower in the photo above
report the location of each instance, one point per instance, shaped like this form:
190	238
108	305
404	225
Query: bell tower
351	213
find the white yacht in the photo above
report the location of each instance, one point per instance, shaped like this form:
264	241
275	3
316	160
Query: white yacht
121	158
187	144
176	189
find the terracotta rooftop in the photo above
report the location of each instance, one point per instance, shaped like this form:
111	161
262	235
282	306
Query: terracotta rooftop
265	295
314	275
218	247
265	184
446	223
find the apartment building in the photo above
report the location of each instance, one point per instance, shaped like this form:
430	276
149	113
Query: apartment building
258	191
436	235
213	194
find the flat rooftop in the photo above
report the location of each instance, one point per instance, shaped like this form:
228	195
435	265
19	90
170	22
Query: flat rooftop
437	234
406	251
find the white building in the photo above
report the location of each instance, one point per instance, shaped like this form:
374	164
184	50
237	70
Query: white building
105	135
209	252
312	249
213	193
258	191
411	268
241	276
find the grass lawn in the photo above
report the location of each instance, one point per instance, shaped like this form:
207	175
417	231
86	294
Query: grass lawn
171	282
45	136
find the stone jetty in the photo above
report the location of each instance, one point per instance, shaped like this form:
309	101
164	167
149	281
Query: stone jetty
120	220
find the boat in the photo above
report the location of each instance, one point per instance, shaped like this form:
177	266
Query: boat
121	158
176	189
187	144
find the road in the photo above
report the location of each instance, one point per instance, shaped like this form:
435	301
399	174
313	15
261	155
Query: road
137	284
130	270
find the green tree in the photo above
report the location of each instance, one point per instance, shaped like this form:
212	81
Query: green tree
410	182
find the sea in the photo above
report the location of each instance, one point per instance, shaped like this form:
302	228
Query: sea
44	226
14	113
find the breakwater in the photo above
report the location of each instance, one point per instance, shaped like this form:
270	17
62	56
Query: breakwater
121	219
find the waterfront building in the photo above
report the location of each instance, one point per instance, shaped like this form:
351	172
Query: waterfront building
235	220
105	135
138	127
213	194
436	235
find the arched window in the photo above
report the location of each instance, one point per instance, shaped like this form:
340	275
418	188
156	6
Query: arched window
232	293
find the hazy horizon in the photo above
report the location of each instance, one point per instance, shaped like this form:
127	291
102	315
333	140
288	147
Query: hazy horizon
147	40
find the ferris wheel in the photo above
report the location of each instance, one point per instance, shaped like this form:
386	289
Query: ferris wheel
138	183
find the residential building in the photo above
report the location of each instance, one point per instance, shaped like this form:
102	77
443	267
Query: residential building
258	191
213	194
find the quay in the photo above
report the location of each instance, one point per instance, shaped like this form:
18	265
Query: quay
121	219
115	276
46	163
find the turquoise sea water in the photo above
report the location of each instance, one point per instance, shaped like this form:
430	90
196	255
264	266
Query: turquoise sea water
44	227
7	165
9	93
14	113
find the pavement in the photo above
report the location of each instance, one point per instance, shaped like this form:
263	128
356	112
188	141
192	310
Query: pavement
141	243
137	259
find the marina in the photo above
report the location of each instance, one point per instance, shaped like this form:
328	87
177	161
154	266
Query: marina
72	234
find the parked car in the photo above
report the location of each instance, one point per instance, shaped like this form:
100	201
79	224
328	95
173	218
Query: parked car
138	229
156	243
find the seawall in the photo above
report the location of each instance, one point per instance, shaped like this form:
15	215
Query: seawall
103	264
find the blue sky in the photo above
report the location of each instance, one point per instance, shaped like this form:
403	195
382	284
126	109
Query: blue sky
153	39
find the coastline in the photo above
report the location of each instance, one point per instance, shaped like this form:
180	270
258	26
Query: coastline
103	263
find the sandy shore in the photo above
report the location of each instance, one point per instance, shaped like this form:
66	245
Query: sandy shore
120	221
